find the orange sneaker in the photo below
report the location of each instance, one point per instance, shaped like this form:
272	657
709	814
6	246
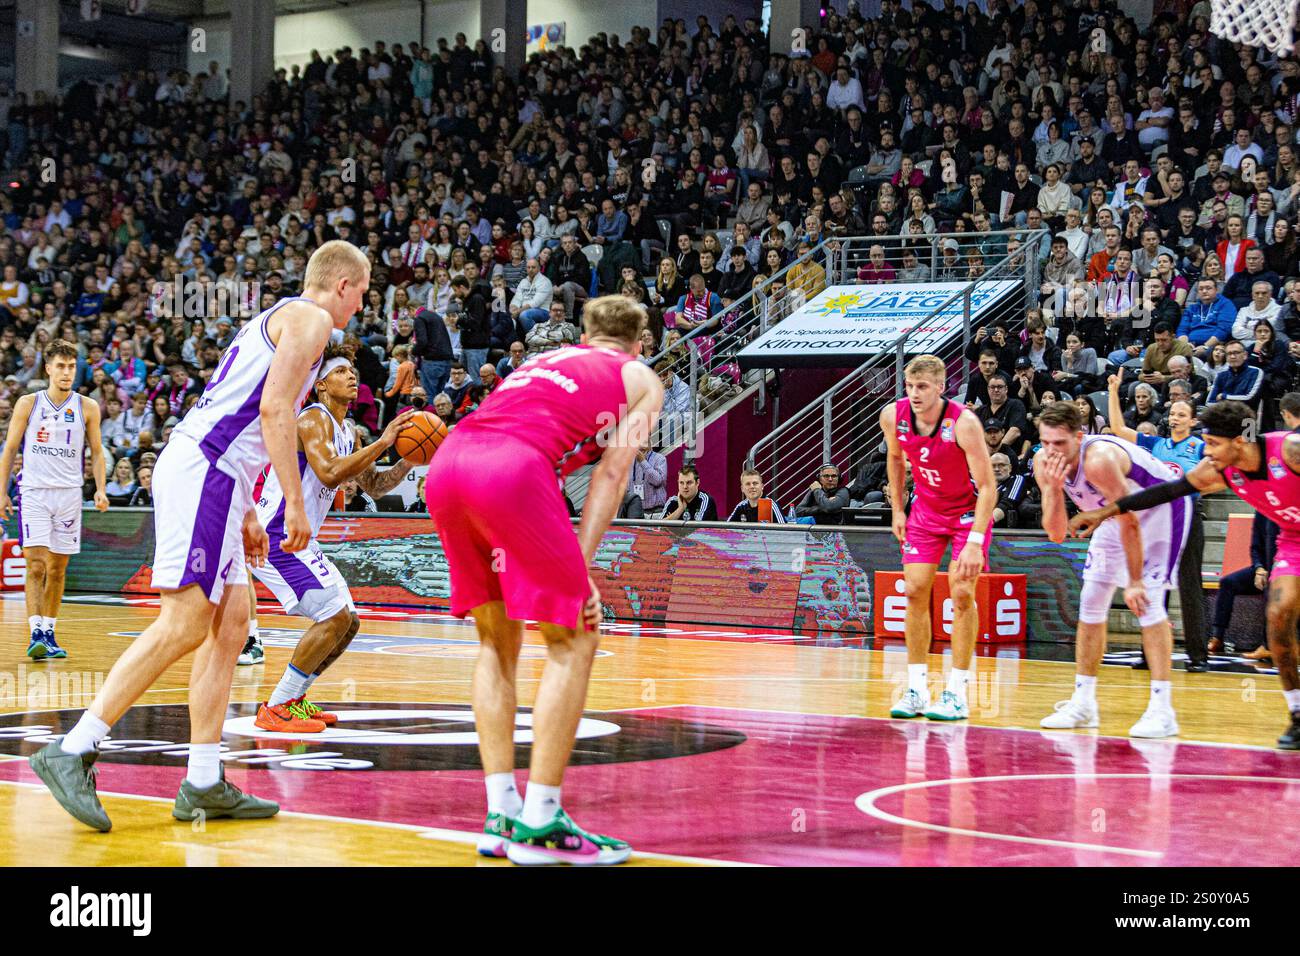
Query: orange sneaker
279	719
304	709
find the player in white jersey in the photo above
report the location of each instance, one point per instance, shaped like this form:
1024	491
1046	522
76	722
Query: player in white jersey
307	583
205	527
54	428
1140	555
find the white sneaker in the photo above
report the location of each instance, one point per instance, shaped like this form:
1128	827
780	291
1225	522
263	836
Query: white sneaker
949	707
1156	722
911	704
1071	715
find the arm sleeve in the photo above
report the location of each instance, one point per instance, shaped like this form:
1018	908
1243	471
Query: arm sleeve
1155	495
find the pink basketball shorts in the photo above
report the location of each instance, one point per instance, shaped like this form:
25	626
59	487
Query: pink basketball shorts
1286	562
928	535
505	530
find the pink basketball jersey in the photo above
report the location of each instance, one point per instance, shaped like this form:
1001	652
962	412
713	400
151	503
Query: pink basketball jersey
940	473
560	403
1274	490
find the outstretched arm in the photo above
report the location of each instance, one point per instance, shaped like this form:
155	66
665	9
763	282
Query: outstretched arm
1203	479
1116	413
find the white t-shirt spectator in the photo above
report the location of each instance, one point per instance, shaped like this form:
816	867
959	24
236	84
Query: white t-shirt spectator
1153	136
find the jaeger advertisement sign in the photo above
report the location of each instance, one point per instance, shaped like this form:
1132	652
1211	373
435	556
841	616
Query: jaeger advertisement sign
847	324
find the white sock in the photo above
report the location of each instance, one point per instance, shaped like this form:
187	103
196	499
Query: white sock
35	622
918	679
1292	700
84	737
957	680
540	804
503	796
204	768
1085	689
47	623
253	629
292	685
1161	695
307	682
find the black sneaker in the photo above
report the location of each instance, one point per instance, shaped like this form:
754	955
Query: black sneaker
1291	739
252	652
1141	664
1197	667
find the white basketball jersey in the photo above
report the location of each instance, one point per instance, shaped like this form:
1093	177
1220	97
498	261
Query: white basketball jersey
317	498
225	420
1146	470
54	443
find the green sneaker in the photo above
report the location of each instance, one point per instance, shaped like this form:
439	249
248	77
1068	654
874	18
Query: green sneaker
222	799
563	841
71	779
910	704
949	707
496	834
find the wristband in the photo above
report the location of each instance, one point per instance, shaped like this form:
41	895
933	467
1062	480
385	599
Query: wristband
975	537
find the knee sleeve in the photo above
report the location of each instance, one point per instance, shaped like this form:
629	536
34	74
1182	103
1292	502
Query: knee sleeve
1094	602
1156	611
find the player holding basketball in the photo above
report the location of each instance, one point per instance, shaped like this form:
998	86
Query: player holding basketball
955	497
205	528
1139	556
553	414
1264	472
54	428
306	582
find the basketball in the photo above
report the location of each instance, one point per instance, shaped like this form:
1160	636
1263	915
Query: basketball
421	437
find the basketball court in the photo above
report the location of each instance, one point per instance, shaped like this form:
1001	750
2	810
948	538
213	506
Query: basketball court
699	747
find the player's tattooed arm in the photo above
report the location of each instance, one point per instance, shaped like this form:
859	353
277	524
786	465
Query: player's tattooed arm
1291	452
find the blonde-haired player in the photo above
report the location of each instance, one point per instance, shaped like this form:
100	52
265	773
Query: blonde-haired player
205	527
955	497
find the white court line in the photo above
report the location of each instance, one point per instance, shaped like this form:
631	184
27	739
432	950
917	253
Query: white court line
426	833
1171	741
866	802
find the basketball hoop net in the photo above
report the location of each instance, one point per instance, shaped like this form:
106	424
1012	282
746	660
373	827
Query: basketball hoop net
1264	23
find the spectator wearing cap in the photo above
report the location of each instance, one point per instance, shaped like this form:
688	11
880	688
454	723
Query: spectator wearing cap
952	267
826	499
995	431
1029	384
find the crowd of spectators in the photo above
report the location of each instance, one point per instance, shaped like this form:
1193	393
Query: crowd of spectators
679	167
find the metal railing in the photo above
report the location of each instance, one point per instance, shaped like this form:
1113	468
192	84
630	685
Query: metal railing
842	425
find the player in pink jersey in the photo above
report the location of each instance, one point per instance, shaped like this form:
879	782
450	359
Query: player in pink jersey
1263	470
553	414
206	532
955	497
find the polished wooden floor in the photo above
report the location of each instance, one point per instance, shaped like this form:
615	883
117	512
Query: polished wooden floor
721	750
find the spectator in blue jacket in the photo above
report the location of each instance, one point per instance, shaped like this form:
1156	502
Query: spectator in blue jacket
611	223
1207	322
1240	381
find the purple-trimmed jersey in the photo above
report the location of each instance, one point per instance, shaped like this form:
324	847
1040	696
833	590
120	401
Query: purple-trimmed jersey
316	495
225	421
